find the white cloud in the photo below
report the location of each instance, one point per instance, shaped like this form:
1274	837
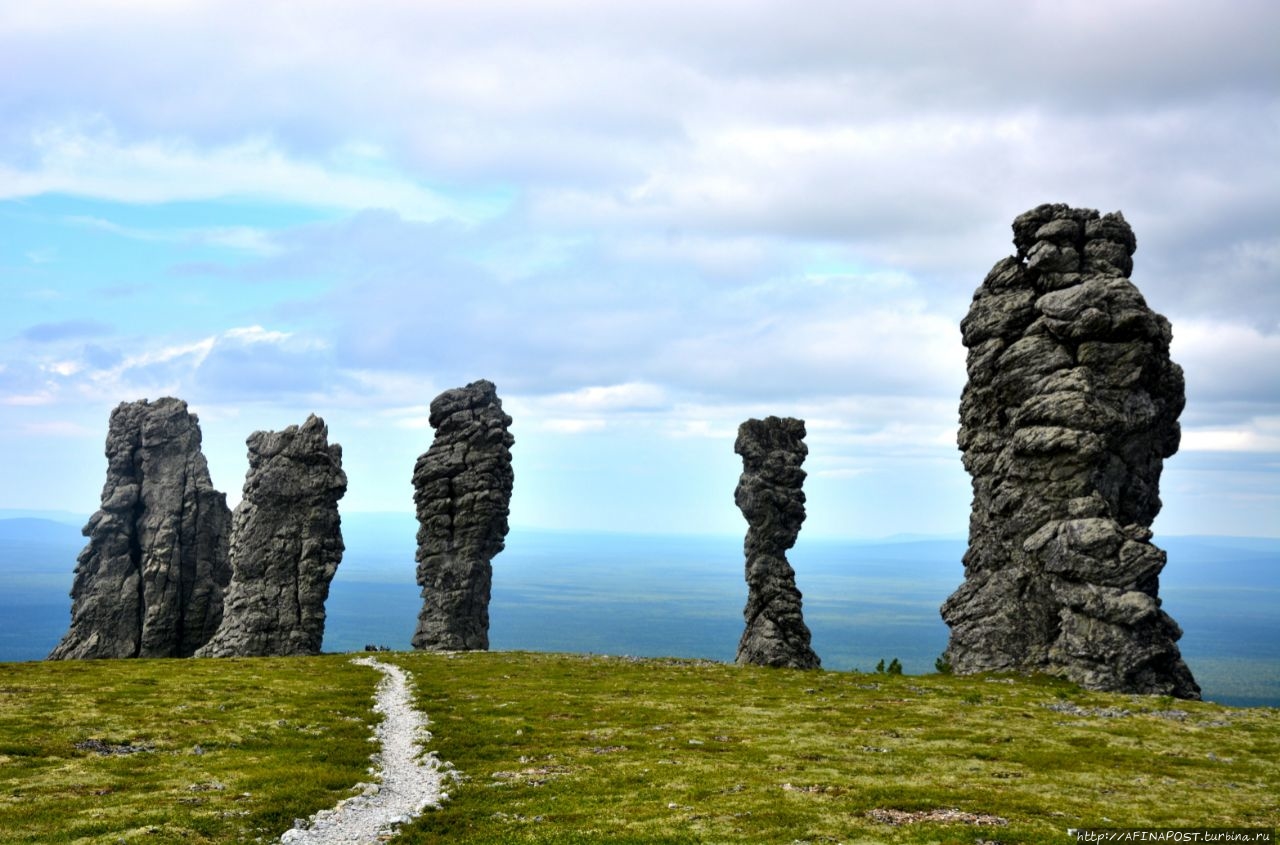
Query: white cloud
1261	434
249	239
647	221
65	368
46	397
256	334
843	472
58	428
632	396
1227	361
562	425
96	163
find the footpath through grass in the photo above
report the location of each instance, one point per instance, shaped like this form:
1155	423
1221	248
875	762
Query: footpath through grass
582	749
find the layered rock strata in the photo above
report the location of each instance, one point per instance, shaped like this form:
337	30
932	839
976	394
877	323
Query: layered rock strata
462	489
286	544
150	581
769	495
1070	409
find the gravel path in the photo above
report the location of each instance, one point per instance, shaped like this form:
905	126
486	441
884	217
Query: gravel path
409	784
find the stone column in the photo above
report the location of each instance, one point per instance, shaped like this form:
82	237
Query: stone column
286	544
150	581
462	489
769	495
1070	409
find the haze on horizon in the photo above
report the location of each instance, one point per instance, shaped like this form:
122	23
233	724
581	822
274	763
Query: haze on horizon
644	222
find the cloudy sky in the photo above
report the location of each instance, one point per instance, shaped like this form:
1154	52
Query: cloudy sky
645	222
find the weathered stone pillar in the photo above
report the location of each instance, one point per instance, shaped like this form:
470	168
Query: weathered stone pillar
462	489
286	544
149	583
769	495
1071	407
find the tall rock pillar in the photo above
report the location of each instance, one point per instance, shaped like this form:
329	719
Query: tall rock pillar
462	489
286	544
769	495
149	583
1071	407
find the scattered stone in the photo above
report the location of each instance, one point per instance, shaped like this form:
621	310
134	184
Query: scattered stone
901	817
1071	407
1099	712
286	544
769	495
462	489
813	789
109	749
150	581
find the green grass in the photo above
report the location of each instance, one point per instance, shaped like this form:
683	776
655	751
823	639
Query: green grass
583	749
233	750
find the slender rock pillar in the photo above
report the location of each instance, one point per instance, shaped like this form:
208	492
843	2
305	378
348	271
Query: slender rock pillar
286	544
1071	407
769	495
462	489
149	583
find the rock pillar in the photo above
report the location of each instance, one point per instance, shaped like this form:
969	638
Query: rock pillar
286	544
769	495
462	489
1070	409
150	581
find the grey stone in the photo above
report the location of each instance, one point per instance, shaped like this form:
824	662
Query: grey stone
462	490
286	545
150	581
769	495
1071	407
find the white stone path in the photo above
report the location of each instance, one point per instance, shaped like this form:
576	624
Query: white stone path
409	782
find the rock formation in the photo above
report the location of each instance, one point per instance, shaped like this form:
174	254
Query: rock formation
150	581
286	544
769	495
462	489
1071	407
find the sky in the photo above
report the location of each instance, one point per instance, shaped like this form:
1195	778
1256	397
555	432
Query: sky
645	222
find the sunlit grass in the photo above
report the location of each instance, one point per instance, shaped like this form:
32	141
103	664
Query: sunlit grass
204	750
593	749
588	749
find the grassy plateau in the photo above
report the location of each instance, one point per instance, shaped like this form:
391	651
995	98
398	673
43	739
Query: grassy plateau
587	749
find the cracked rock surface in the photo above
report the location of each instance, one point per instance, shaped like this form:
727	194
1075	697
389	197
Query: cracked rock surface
286	544
462	490
150	581
769	495
1070	409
